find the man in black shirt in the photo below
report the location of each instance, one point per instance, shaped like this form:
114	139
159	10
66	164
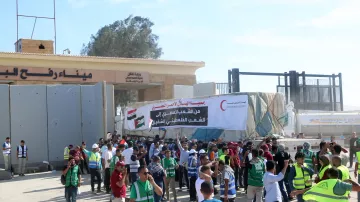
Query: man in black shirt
248	147
280	157
353	147
142	153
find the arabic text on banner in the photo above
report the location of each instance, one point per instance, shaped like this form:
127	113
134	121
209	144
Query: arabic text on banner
184	116
227	112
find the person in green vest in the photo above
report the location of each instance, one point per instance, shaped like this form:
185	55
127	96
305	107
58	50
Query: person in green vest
114	160
255	176
310	159
73	178
344	173
329	190
169	164
143	189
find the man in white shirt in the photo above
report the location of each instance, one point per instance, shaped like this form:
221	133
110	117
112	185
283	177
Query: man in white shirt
127	155
202	178
271	181
184	155
103	150
7	153
107	158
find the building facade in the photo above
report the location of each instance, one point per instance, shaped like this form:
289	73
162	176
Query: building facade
34	63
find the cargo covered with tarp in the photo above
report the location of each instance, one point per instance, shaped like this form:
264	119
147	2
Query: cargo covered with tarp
253	114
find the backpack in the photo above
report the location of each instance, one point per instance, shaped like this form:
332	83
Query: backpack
63	179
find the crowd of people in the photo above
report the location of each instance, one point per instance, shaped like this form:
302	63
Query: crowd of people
266	172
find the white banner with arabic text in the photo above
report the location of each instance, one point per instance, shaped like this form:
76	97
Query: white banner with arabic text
225	111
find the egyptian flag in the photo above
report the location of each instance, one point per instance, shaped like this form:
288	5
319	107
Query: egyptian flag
131	114
139	122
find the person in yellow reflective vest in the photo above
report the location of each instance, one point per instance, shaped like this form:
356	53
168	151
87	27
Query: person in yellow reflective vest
329	190
357	168
300	175
67	153
224	157
325	165
344	173
94	166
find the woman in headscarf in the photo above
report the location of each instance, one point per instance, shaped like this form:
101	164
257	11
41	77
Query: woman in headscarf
268	156
279	158
323	172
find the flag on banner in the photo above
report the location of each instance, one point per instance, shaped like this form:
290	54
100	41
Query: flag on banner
139	122
131	114
150	124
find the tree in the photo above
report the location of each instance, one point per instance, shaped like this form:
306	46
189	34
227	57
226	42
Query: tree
128	38
124	97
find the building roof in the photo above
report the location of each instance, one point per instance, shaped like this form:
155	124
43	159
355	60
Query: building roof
96	59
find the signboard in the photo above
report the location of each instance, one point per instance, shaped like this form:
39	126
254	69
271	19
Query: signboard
71	75
226	112
329	119
133	77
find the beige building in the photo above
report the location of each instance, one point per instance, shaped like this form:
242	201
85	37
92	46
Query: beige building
35	63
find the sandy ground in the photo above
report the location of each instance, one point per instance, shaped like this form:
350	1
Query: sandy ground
41	187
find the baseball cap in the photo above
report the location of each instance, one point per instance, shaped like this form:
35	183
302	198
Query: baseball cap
120	163
95	146
192	151
202	151
264	147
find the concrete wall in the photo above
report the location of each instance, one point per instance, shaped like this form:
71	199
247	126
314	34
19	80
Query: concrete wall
64	119
182	91
204	89
168	81
110	107
4	117
50	117
28	107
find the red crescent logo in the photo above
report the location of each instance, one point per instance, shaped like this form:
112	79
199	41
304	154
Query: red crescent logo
221	105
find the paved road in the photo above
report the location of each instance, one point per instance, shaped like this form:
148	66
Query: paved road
46	187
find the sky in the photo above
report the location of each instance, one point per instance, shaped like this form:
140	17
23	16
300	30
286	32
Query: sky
315	36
